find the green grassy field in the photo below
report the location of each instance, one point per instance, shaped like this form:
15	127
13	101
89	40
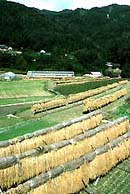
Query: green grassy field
25	99
16	97
75	88
119	108
26	122
22	90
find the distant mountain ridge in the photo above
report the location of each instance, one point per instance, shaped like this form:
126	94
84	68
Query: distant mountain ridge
87	24
98	34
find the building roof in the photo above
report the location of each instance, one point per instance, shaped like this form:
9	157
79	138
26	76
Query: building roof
50	73
93	74
96	73
109	64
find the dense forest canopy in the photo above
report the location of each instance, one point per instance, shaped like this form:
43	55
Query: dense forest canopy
81	40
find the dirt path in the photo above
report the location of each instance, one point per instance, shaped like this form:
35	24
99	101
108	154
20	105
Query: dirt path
19	103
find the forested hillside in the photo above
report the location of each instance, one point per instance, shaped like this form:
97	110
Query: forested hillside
79	40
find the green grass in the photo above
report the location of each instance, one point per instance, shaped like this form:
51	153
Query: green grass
23	89
22	128
75	88
5	121
22	124
24	99
123	110
118	108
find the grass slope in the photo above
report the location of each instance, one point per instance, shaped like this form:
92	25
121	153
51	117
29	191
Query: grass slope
120	107
22	124
23	89
76	88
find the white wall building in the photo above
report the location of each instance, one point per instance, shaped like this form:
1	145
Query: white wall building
32	74
93	74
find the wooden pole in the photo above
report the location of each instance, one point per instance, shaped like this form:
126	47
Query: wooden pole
8	161
69	166
44	131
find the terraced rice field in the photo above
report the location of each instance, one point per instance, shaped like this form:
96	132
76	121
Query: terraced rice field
19	90
117	181
25	121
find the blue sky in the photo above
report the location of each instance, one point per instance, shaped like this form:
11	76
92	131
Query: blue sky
58	5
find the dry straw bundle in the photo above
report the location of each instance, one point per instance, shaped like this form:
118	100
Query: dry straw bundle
43	106
68	182
81	144
75	80
82	95
92	104
79	170
50	135
109	159
123	82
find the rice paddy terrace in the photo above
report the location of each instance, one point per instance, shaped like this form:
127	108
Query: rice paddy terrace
79	143
23	91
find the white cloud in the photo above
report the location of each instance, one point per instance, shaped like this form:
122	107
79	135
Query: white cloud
96	3
58	5
40	4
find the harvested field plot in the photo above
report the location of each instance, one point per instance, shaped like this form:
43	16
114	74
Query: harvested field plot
22	89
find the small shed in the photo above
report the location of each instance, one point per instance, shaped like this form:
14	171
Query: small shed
8	76
93	74
96	74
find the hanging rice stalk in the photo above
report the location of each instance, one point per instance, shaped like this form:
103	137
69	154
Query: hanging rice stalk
92	104
46	105
49	135
75	80
123	82
14	168
79	170
72	98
